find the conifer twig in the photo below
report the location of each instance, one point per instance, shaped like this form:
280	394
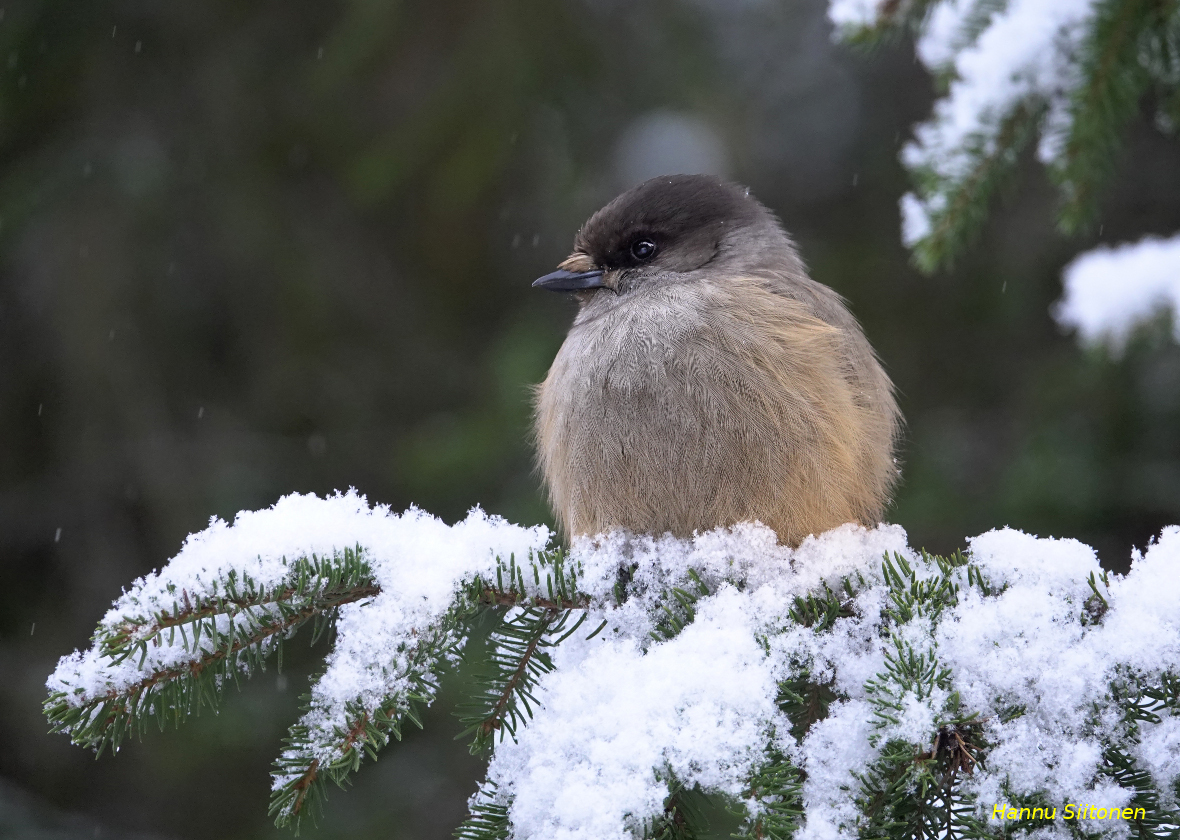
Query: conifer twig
180	658
1114	81
321	747
958	206
538	618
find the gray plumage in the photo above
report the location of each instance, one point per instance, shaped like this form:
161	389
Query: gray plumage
711	382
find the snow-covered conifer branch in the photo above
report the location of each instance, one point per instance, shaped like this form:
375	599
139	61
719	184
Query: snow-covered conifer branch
682	817
951	203
871	22
398	600
322	747
677	606
518	658
559	591
920	790
489	816
1073	72
1113	78
773	798
534	601
163	660
529	622
850	687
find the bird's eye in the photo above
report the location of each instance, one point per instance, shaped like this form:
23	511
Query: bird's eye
643	249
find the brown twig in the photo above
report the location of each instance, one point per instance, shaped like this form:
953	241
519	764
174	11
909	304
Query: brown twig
496	597
197	666
127	631
492	721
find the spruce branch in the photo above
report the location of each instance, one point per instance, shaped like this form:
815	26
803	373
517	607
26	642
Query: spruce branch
322	747
178	659
326	745
1084	87
519	657
1096	605
1158	823
801	698
1140	702
805	701
683	817
1143	701
958	204
489	816
908	673
913	596
1032	802
774	799
404	627
677	607
532	619
977	20
820	611
913	793
510	587
231	596
911	790
1166	695
1114	79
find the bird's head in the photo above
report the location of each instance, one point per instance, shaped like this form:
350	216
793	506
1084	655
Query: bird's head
669	229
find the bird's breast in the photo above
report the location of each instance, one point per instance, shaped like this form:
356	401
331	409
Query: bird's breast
698	406
651	354
656	413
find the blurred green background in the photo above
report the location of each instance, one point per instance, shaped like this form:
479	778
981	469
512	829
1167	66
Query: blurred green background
254	248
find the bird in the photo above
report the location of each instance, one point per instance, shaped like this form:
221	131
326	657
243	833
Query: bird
706	379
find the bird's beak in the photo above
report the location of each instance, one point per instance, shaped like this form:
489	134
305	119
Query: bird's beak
570	281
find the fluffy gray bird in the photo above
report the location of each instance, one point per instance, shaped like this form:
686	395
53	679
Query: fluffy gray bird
706	379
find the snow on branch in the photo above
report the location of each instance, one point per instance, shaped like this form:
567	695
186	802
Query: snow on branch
224	604
1069	72
850	687
1109	290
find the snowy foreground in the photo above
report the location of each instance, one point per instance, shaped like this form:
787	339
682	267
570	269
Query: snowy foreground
625	710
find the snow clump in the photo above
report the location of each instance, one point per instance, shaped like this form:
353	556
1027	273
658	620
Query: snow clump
1109	290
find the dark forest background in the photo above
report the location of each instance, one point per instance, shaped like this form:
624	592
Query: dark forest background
250	248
